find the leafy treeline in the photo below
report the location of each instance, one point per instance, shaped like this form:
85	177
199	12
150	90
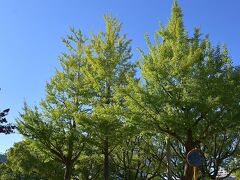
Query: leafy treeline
99	121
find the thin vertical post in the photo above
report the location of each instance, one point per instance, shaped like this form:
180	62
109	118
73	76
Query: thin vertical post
195	172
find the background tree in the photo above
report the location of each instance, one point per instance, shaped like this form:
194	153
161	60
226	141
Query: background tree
25	162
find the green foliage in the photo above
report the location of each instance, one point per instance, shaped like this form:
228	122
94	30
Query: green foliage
25	162
237	174
89	165
6	173
140	156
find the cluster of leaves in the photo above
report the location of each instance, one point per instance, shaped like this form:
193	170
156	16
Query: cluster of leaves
100	122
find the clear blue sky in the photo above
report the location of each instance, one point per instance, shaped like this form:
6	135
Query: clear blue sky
31	31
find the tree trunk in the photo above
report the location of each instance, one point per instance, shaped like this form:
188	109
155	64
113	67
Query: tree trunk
106	160
189	145
68	171
168	156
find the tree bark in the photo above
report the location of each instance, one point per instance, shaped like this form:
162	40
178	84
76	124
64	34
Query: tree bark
106	159
68	171
189	145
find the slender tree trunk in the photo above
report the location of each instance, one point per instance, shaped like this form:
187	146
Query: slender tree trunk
68	171
127	174
106	159
168	155
189	145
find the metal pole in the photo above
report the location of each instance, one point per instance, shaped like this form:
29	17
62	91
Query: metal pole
195	172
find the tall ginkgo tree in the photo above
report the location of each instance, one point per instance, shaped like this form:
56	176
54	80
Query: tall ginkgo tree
188	90
107	70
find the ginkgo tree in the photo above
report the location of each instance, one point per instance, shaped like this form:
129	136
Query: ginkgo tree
56	126
107	70
188	91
